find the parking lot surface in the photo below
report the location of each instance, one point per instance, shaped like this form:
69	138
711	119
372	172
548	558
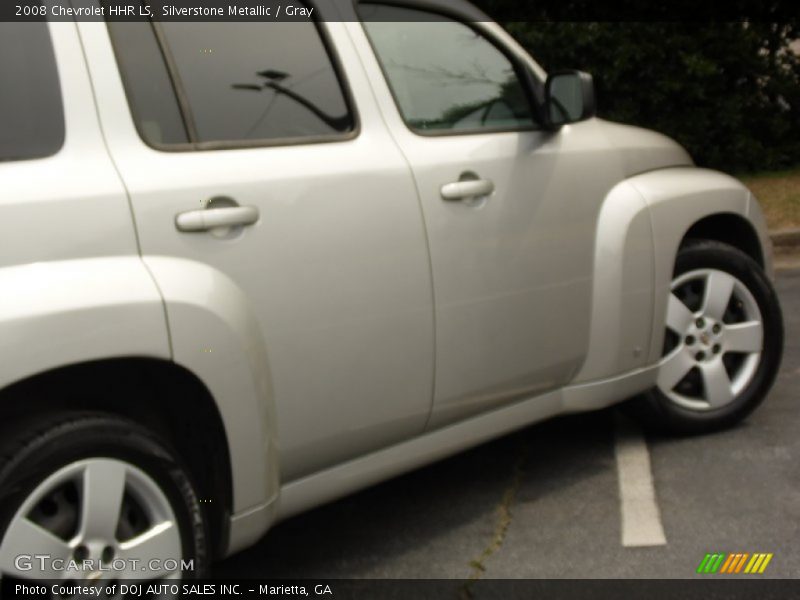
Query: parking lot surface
545	503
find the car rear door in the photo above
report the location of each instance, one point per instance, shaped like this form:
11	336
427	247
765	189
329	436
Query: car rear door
246	147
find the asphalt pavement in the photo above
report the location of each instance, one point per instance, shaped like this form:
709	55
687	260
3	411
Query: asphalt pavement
545	503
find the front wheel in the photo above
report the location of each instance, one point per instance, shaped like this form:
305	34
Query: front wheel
723	342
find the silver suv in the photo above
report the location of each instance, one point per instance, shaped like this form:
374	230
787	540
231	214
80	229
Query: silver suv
251	267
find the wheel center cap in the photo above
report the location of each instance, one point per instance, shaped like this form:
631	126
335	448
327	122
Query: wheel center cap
705	338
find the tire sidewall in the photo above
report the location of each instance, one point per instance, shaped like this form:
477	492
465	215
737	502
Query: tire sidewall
712	255
107	437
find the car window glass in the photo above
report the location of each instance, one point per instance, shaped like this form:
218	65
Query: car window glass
147	83
31	112
257	81
444	74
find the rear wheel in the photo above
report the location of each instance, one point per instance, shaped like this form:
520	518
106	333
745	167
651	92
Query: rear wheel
98	493
723	342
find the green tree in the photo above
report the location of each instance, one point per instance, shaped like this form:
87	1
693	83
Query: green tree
728	91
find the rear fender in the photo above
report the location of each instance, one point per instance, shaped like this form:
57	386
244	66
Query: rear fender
216	336
58	313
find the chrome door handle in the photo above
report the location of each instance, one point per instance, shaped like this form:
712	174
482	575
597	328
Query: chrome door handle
467	188
210	218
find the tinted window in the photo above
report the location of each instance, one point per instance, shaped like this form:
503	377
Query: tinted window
150	93
257	81
444	74
31	115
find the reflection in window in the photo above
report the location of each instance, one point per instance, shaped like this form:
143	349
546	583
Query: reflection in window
445	75
257	81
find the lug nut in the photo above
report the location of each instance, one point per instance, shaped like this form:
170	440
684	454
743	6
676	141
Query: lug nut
716	348
690	340
700	356
108	554
81	553
717	328
700	323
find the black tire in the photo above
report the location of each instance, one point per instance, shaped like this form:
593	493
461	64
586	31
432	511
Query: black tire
657	411
33	449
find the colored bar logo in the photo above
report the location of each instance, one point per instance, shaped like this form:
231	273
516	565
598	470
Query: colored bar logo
736	563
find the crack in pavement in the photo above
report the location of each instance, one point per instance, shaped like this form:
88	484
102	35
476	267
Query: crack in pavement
504	518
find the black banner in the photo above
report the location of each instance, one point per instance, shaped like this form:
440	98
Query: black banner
298	10
711	588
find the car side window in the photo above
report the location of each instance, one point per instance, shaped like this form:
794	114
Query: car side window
445	75
148	84
237	84
31	111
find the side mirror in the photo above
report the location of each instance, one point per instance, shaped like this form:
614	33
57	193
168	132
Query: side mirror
568	98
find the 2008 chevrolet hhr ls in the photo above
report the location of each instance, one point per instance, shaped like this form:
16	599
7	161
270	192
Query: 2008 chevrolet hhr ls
250	267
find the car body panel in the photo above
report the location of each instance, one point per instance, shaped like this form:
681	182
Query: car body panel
513	276
350	347
677	199
65	312
641	150
622	290
214	334
363	471
75	287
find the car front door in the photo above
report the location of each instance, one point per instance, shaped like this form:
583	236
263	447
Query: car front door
510	209
251	124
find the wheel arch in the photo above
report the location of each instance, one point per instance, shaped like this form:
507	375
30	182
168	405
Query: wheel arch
107	311
642	223
159	395
729	228
215	334
691	203
622	289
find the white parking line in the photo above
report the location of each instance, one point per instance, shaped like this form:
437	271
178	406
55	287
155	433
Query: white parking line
641	519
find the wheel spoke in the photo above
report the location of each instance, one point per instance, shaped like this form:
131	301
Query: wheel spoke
24	537
679	317
717	384
673	369
719	287
745	337
161	543
101	499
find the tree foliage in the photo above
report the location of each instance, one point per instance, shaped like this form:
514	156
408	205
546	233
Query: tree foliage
728	91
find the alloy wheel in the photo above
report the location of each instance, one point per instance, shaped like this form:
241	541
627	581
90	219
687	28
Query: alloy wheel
106	516
714	340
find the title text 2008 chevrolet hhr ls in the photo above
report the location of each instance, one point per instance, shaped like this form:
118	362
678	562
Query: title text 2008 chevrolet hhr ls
250	267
